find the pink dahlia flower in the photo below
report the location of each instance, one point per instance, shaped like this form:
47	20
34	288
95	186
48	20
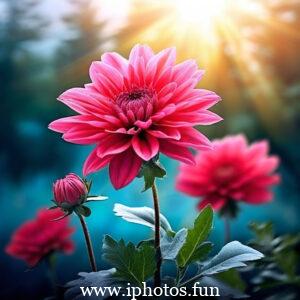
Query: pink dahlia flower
69	191
35	239
136	108
232	171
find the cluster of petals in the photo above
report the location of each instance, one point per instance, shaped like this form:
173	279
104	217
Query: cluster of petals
40	237
232	171
134	109
69	191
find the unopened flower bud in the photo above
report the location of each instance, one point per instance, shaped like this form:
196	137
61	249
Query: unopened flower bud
69	191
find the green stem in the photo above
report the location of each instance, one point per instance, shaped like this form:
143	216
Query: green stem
51	271
88	243
158	256
227	236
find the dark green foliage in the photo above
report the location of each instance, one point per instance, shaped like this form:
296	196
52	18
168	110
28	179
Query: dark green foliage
185	248
279	270
134	265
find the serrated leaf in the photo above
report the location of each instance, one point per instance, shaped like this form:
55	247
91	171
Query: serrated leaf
141	215
99	279
170	246
134	265
150	170
195	236
232	255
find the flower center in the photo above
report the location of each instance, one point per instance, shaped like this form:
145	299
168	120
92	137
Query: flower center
224	173
135	95
137	104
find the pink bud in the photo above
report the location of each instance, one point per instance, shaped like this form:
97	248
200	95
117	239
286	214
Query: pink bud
69	191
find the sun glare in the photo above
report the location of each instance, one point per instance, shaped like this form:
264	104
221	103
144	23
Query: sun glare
201	12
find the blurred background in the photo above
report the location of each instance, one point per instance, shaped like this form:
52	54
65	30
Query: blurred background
250	51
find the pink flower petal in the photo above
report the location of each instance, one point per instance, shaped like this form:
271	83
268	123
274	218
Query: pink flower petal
191	137
140	51
110	73
117	61
123	168
165	133
83	135
192	119
184	70
145	146
198	100
216	202
113	144
94	163
142	124
81	101
177	152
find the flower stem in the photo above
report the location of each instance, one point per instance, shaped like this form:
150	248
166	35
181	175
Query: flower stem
51	272
158	257
227	236
88	243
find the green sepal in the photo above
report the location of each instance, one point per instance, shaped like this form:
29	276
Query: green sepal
82	210
88	184
53	207
150	170
230	209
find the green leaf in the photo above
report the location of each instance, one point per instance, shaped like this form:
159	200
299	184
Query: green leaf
201	252
288	262
263	231
233	279
150	170
82	210
134	265
170	246
232	255
140	215
195	236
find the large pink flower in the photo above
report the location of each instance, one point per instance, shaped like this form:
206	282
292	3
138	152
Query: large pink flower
136	108
232	171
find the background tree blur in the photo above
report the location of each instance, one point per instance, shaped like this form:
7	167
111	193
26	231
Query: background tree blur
20	76
83	43
30	81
